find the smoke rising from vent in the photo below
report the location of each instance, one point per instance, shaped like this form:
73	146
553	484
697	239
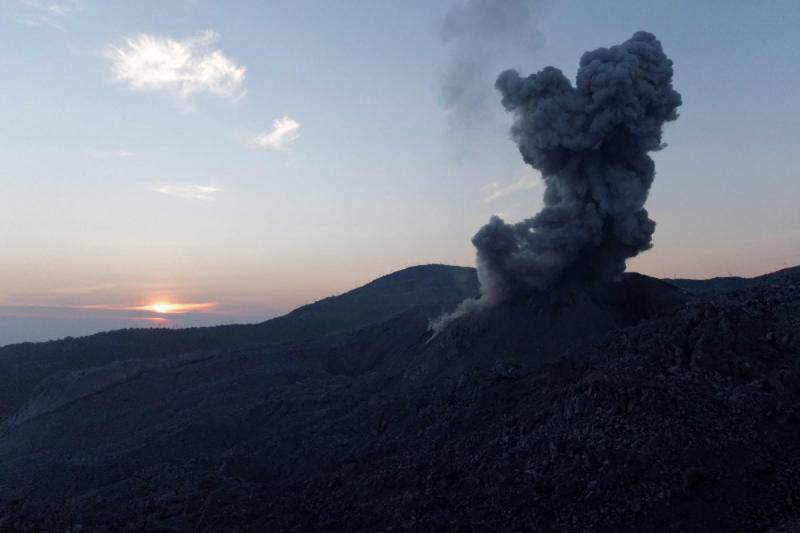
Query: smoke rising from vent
591	144
479	33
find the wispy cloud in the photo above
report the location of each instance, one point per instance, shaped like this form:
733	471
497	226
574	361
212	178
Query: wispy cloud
50	13
493	191
108	154
109	286
284	132
189	191
183	68
58	8
88	289
161	308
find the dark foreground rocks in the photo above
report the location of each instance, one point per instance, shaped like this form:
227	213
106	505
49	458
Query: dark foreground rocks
687	419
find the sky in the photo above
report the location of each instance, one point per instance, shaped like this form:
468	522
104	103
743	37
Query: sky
203	162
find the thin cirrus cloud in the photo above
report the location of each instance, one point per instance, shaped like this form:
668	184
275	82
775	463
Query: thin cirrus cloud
285	131
183	68
58	8
108	154
109	286
161	308
493	191
50	13
189	191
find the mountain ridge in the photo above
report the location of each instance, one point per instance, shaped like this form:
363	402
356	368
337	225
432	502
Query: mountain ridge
467	277
506	421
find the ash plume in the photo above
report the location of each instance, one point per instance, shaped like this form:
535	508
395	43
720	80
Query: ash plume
478	34
591	144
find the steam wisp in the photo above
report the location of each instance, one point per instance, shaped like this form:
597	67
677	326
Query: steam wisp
478	34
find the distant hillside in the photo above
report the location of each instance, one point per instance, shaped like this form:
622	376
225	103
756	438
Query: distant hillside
699	286
435	287
628	406
729	283
426	285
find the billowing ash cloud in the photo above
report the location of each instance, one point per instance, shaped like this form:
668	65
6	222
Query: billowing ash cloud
591	144
478	34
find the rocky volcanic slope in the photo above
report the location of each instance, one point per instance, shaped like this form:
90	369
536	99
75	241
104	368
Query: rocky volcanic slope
658	410
688	422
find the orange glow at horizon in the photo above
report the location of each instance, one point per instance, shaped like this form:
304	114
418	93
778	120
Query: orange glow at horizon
160	307
166	308
157	320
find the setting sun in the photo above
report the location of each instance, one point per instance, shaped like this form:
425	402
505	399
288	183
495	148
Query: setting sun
164	308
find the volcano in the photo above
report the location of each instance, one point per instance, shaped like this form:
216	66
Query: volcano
640	404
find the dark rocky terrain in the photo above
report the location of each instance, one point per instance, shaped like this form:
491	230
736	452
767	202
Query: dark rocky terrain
634	406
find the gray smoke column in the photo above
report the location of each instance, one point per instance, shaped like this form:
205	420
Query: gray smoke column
591	144
479	33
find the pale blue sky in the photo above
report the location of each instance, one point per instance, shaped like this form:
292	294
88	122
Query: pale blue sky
378	177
